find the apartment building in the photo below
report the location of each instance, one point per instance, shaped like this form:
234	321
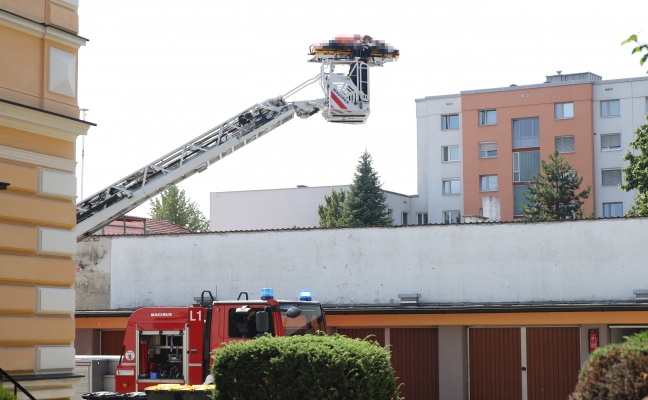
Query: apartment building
478	149
39	124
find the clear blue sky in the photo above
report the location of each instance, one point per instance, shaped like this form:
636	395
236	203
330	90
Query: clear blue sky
156	74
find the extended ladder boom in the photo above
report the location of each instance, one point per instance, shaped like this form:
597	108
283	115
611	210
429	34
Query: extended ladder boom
344	103
131	191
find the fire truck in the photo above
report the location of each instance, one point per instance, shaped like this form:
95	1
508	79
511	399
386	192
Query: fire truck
173	345
344	103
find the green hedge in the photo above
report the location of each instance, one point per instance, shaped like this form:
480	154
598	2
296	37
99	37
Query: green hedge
304	367
618	371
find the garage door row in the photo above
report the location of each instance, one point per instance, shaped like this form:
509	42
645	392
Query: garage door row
525	363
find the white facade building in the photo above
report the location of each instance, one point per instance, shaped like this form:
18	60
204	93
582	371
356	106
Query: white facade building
440	168
620	106
285	208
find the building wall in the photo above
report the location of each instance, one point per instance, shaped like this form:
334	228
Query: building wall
38	129
516	103
431	139
632	96
281	208
592	260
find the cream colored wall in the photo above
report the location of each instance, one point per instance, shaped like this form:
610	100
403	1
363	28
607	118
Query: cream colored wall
37	211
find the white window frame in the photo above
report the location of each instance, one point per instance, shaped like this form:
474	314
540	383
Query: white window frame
445	122
603	171
613	148
422	218
562	139
484	117
485	182
404	218
520	140
605	108
609	206
445	150
482	152
450	214
559	110
450	186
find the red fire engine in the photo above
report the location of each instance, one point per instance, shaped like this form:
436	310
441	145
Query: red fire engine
173	345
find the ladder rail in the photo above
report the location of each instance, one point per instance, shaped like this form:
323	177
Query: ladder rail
194	156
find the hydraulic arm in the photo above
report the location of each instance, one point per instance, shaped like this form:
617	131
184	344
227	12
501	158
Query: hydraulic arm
344	102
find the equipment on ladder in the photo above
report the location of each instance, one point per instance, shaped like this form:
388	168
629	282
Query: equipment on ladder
344	103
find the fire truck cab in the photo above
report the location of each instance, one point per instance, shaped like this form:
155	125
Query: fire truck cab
173	345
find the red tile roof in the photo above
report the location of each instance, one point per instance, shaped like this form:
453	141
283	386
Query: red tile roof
130	225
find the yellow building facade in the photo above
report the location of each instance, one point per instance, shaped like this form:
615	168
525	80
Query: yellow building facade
39	125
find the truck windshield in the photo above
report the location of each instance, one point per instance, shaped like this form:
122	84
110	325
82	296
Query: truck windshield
310	321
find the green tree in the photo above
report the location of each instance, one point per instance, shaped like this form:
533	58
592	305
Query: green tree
366	203
636	172
332	213
638	48
552	195
174	206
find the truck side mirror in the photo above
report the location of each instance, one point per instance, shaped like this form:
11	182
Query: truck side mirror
262	322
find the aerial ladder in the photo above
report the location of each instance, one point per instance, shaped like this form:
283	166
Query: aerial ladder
344	102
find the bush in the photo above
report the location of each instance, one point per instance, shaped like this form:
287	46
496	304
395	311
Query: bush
5	394
618	371
303	367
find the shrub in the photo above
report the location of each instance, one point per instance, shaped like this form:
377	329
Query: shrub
299	367
6	394
618	371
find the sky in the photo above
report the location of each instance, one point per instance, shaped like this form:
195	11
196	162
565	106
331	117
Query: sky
157	73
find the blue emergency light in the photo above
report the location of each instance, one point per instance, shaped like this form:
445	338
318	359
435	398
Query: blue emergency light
267	294
305	295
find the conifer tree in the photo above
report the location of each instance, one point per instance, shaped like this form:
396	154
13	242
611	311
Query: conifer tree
332	212
174	206
366	203
636	172
552	194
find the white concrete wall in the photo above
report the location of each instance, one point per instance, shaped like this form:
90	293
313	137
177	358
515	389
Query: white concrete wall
281	208
515	262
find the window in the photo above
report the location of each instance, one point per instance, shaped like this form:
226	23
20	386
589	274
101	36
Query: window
646	105
564	110
612	210
450	121
404	218
519	200
525	165
487	117
422	218
611	142
610	108
451	186
526	133
565	144
451	217
488	183
612	177
487	149
450	153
